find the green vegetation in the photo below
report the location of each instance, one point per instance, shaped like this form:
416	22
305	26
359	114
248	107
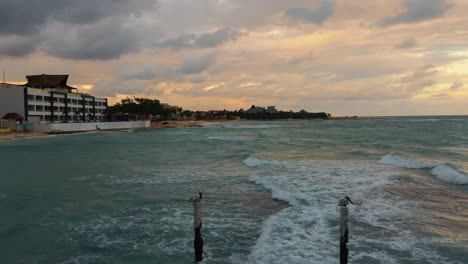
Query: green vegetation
265	115
138	106
146	107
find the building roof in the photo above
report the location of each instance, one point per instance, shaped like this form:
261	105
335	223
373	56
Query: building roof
12	116
255	109
48	81
271	109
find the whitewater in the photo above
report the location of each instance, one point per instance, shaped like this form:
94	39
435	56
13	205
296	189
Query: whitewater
271	192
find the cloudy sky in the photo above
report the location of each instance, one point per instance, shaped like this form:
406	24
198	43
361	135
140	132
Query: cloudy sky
346	57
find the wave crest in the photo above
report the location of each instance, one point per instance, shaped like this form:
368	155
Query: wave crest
443	171
403	162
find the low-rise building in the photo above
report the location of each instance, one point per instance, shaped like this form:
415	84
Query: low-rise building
258	109
48	98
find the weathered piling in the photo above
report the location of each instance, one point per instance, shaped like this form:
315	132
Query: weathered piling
197	225
344	229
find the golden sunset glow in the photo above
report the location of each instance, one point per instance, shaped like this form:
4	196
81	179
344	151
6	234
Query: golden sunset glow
338	56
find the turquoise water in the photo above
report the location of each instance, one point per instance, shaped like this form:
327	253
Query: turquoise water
270	193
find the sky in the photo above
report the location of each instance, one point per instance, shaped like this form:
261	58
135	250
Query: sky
344	57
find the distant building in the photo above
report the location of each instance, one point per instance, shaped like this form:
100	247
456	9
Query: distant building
271	110
258	109
50	98
255	109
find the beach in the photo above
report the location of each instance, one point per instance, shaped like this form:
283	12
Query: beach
154	125
20	135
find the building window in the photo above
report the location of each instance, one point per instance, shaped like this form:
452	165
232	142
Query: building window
31	97
31	108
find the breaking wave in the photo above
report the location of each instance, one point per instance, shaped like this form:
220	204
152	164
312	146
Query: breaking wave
307	230
443	171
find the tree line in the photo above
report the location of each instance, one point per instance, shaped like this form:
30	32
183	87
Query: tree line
265	115
153	107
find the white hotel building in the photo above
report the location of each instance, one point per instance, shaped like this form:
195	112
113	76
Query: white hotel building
48	98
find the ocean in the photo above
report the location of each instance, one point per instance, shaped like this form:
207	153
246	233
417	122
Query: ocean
271	192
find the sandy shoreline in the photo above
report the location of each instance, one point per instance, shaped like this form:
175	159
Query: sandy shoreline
154	125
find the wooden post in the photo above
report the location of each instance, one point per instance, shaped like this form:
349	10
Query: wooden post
344	229
197	224
344	235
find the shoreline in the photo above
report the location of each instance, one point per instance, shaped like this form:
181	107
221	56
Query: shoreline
22	135
163	125
175	124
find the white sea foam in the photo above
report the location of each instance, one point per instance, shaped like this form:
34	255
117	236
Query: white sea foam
445	171
450	173
402	162
212	124
253	162
307	230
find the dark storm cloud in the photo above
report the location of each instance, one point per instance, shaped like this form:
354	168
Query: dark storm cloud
191	65
16	46
316	16
73	29
205	40
105	40
418	10
143	73
114	87
25	17
196	64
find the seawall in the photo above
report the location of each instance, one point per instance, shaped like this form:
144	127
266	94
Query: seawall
92	126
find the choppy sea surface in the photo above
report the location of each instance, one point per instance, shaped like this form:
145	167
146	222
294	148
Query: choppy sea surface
271	191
